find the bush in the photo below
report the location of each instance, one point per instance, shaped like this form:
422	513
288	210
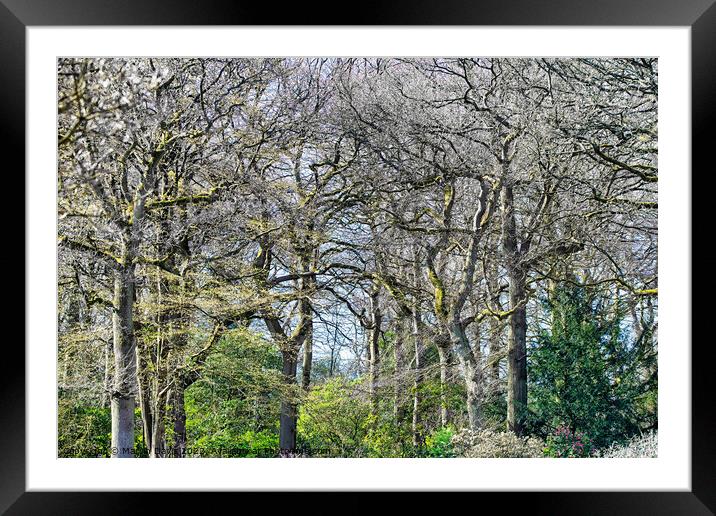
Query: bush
233	409
565	443
439	443
229	444
643	446
491	444
86	431
334	420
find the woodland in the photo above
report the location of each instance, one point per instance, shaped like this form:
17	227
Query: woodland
357	257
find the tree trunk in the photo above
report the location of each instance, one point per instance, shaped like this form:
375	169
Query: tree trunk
472	373
517	341
495	348
144	398
158	435
517	356
307	358
125	366
179	417
107	377
308	284
373	348
158	448
418	345
443	356
398	359
288	418
495	331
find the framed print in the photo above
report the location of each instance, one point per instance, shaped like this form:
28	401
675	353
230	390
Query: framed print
428	250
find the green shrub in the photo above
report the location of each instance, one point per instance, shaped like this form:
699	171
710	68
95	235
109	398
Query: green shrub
233	410
334	420
83	431
229	444
439	443
86	431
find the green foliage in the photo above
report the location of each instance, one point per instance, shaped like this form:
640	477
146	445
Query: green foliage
386	438
83	431
583	373
233	410
494	411
230	444
334	420
140	447
86	431
439	443
429	394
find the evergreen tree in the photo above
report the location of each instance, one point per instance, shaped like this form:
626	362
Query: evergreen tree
581	369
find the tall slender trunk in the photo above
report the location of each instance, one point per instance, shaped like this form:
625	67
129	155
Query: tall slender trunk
373	347
517	341
418	345
443	356
398	359
288	417
144	397
307	363
307	285
107	377
182	322
517	357
179	419
125	366
472	373
166	317
331	366
159	402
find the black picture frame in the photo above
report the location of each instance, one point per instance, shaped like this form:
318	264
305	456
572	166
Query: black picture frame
700	15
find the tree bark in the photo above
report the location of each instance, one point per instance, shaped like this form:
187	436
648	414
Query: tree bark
517	340
158	448
107	377
288	417
472	373
517	361
307	363
308	284
179	417
144	398
125	366
373	347
418	346
398	359
495	348
443	356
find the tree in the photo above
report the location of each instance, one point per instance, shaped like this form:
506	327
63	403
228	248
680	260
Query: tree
584	369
